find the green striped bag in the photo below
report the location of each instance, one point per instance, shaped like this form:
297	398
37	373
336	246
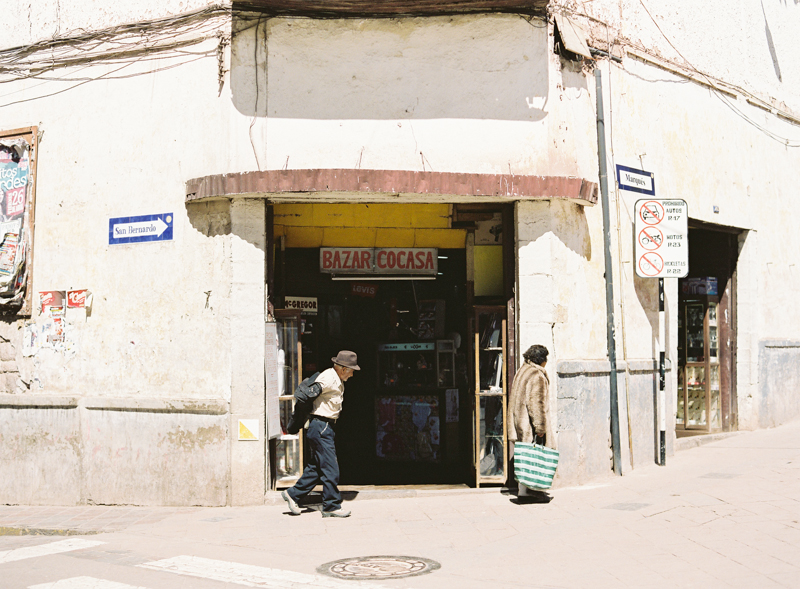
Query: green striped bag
534	465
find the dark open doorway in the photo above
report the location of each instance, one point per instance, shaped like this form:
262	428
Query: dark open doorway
707	333
364	317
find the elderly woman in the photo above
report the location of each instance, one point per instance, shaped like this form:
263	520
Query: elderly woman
527	403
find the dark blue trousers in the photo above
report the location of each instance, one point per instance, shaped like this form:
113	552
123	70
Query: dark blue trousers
322	466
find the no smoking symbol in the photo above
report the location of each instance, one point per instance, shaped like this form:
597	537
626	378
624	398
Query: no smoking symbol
651	264
651	212
651	238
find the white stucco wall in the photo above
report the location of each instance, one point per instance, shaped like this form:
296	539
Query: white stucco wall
747	43
110	148
711	157
478	94
462	94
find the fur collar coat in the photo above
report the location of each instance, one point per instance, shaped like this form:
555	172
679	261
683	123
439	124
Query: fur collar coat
528	406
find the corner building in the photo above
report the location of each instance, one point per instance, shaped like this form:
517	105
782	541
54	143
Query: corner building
281	150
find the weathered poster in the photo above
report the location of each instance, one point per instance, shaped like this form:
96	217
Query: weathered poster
14	195
77	299
8	254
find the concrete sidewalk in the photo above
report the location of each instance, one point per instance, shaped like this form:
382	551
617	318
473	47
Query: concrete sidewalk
725	514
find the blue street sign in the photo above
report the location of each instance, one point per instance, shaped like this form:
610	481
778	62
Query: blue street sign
140	229
636	180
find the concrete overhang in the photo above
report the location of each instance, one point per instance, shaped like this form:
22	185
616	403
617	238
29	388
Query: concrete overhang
348	185
389	8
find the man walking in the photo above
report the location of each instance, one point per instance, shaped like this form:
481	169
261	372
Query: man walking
322	465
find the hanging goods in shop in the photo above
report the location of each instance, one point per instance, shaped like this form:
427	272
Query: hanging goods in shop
304	396
534	465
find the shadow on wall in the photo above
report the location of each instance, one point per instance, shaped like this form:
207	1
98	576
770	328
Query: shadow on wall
210	218
647	293
482	67
567	222
573	77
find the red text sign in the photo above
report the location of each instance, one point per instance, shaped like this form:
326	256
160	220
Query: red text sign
389	260
76	298
52	298
364	290
15	201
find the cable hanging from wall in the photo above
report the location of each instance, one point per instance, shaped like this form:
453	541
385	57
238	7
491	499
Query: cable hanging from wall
720	89
178	38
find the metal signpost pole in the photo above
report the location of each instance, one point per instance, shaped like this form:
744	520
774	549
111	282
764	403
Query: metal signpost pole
610	326
662	361
661	249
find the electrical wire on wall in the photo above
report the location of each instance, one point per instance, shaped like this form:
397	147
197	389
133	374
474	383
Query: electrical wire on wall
174	38
724	99
720	89
255	106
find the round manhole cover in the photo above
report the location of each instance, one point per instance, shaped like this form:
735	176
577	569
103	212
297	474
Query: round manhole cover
378	567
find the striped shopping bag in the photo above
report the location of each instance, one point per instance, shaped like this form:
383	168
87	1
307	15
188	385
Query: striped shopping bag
534	465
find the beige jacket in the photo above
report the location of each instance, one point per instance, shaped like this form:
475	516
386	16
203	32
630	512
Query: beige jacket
528	405
329	402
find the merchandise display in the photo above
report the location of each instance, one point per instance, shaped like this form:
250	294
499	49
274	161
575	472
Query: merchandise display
491	450
698	402
411	379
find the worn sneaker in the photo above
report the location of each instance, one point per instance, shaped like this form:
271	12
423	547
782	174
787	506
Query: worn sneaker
336	513
292	503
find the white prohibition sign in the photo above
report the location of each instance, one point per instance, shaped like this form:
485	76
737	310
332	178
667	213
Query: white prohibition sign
651	264
651	238
652	212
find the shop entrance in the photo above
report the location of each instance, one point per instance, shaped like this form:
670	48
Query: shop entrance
408	415
707	334
408	335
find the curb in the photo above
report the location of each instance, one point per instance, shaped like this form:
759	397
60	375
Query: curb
353	493
701	440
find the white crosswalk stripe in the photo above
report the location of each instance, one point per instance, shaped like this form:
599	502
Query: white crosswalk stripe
252	576
46	549
84	583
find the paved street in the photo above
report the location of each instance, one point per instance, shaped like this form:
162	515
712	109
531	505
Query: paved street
724	514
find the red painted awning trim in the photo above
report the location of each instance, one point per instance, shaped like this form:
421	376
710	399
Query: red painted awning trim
274	183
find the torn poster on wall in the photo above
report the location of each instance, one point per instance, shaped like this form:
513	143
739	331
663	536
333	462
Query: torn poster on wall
14	191
56	328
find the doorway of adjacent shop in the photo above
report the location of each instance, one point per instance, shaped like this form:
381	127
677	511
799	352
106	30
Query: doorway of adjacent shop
400	285
707	333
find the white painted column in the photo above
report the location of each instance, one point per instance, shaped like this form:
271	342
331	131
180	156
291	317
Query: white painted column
536	305
536	290
248	296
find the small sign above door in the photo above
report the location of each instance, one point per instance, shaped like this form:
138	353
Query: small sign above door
306	305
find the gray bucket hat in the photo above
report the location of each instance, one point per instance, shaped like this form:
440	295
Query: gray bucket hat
347	359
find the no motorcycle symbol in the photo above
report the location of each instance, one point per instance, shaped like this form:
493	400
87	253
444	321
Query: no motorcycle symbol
651	238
